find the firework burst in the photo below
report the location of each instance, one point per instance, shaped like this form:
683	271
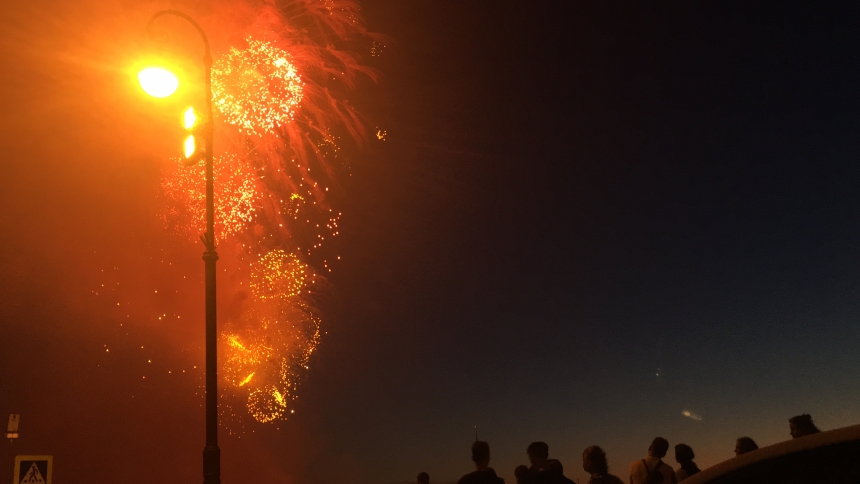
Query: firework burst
278	275
281	101
268	350
184	196
257	89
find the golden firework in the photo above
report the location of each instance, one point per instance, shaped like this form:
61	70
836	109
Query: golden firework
256	89
278	274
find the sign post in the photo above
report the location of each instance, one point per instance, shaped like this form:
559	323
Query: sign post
12	434
33	469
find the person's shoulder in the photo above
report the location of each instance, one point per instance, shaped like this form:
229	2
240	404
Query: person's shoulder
606	479
467	479
492	477
667	470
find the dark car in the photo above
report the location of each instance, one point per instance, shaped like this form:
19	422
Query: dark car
831	457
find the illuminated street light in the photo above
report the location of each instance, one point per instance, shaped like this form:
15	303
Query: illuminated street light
190	118
189	146
157	82
191	121
161	83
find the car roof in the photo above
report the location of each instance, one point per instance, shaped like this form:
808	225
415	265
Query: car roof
823	439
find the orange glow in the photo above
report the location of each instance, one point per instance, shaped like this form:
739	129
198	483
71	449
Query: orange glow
184	196
190	118
190	146
157	82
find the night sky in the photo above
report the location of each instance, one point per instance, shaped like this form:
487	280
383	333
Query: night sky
586	219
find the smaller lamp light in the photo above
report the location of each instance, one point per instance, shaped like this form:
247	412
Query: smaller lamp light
190	118
190	146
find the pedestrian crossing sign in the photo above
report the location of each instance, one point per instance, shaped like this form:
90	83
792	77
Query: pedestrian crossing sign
33	469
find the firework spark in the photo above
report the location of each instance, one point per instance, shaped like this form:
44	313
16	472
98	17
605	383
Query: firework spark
256	89
278	275
184	190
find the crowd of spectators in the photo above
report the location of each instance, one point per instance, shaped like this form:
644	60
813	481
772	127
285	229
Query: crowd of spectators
649	470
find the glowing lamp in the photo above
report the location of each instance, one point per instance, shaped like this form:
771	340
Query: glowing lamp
157	82
190	146
190	118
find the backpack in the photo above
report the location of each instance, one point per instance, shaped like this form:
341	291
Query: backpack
654	476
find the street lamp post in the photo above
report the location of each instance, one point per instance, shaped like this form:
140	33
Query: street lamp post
211	453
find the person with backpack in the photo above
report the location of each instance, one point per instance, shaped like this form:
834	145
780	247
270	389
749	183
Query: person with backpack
652	469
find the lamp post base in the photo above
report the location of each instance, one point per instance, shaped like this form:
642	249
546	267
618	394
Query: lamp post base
212	465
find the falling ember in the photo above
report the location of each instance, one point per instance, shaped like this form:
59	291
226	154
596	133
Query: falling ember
256	89
278	274
184	191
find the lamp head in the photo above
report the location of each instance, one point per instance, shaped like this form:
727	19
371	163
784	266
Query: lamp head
157	82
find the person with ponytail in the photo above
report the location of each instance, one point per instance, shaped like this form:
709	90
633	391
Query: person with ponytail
684	456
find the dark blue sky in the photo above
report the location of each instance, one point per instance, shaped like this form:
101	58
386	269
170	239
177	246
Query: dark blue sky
587	195
586	219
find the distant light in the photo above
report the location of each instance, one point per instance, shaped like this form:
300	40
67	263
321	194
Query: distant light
158	82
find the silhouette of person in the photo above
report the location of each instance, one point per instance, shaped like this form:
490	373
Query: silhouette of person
684	457
484	474
652	469
544	470
744	445
555	472
594	462
801	426
423	478
523	475
538	453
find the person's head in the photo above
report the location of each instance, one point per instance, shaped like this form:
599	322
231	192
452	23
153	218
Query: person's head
481	454
554	467
802	425
523	475
423	478
594	461
684	453
658	448
538	453
744	445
